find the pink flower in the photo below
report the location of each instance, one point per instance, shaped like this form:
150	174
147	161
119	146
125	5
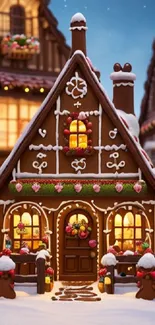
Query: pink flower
78	187
137	187
19	187
118	187
96	188
36	187
59	187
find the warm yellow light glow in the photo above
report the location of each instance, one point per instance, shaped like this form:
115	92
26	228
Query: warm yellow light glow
73	141
118	220
27	90
82	141
26	219
77	218
82	127
42	90
73	126
129	219
6	88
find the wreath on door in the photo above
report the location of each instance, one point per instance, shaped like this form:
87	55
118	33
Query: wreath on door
78	230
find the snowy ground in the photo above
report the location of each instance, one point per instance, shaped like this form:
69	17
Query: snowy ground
121	308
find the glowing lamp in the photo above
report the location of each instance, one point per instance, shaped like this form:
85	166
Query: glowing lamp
42	90
27	90
6	88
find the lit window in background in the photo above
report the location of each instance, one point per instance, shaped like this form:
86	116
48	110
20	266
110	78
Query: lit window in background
14	116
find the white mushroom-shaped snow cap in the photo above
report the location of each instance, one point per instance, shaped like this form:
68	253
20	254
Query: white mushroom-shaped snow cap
6	263
147	261
108	259
128	252
78	17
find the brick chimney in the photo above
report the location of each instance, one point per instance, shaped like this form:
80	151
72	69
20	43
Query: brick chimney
123	87
78	28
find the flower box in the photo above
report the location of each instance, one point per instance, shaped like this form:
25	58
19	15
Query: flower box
19	47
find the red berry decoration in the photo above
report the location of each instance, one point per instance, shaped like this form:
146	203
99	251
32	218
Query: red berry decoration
89	125
89	142
66	149
89	131
69	120
66	132
102	271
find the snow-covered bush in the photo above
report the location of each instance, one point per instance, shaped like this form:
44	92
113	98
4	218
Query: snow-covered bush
6	263
108	259
147	261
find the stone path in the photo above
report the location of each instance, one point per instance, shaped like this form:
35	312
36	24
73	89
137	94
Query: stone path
82	293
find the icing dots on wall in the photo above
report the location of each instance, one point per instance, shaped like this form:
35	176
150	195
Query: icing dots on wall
76	87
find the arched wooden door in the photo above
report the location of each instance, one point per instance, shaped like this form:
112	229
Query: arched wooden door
78	260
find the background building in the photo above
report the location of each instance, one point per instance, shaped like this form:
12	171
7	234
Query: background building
27	72
147	115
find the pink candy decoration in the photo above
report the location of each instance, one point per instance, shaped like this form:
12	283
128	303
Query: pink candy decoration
96	188
19	187
92	243
118	187
59	187
78	188
36	187
82	116
137	187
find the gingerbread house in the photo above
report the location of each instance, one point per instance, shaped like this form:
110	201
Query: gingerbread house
78	174
147	113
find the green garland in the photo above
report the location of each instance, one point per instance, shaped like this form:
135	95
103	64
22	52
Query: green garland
68	190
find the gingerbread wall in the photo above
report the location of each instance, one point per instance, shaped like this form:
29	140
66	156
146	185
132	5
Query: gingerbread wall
107	152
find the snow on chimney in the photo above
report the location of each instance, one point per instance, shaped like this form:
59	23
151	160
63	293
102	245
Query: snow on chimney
123	87
78	28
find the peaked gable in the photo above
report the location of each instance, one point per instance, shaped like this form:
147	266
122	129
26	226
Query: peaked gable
123	125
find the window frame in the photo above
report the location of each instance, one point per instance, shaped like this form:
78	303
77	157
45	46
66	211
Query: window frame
77	133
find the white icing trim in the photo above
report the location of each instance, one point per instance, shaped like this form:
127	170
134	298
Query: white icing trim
18	166
69	175
42	132
46	148
41	155
39	166
14	174
65	112
75	164
123	84
100	139
120	75
113	147
5	203
119	165
117	205
149	202
113	133
74	84
58	104
78	27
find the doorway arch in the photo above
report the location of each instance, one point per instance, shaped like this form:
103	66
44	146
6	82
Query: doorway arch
73	255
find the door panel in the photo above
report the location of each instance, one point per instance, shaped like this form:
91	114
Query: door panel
76	262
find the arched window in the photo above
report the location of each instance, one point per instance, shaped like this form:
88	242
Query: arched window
78	136
127	228
17	20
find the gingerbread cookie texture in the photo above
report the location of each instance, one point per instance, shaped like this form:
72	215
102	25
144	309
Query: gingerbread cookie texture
78	172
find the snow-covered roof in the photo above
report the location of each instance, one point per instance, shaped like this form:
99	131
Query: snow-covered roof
6	263
108	259
120	75
131	121
128	252
128	121
147	261
78	17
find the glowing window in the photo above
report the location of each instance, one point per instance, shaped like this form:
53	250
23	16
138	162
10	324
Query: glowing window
77	218
78	136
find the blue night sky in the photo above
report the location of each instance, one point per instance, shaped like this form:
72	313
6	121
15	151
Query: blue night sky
118	31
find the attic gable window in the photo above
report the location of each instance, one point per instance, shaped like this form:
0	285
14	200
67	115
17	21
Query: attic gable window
78	136
17	20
